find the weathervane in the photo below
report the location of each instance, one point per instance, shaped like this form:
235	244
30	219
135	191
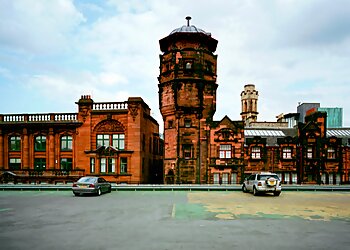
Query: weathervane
188	18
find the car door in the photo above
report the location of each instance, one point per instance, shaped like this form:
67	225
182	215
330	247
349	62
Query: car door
102	184
250	182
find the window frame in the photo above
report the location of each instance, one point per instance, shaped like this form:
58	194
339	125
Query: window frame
15	143
40	143
287	153
15	165
331	153
256	153
66	143
41	162
118	141
103	140
66	164
187	151
225	153
123	164
310	152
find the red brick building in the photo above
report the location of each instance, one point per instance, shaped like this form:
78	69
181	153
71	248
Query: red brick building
120	140
201	150
117	140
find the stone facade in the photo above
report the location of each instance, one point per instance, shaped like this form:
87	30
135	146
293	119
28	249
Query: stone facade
117	140
201	150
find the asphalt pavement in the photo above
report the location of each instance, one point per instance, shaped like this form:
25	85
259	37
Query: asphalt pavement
174	220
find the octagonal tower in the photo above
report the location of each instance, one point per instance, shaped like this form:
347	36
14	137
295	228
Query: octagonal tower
187	101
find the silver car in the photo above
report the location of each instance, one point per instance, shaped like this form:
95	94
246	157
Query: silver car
264	182
91	185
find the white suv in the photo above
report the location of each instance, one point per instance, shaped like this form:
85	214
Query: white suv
264	182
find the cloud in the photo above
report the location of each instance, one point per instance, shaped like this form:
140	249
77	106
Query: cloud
39	26
291	50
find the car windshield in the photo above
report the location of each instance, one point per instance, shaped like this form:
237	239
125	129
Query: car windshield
87	179
267	176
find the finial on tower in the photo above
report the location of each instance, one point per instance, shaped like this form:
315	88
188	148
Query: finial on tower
188	18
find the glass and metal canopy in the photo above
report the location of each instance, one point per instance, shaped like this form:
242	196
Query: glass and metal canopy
263	133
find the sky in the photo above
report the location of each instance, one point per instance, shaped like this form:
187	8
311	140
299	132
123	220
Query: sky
54	51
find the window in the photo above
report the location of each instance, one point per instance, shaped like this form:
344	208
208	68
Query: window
256	153
40	143
123	165
102	140
286	178
187	151
118	141
170	124
111	165
330	153
187	123
66	143
103	165
92	165
225	178
310	153
39	164
66	164
15	164
188	66
15	143
208	66
107	165
225	151
216	178
287	153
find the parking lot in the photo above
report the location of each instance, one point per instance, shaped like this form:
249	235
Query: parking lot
174	220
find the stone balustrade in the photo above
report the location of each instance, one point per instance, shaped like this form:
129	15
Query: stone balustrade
57	117
109	105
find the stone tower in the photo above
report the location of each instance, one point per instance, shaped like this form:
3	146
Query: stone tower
249	102
187	101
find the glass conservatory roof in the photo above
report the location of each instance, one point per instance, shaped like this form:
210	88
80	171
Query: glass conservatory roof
264	133
338	132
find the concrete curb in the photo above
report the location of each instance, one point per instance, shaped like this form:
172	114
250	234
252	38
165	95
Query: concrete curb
48	187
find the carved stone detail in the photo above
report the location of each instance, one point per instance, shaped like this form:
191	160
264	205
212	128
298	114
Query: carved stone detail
109	126
133	110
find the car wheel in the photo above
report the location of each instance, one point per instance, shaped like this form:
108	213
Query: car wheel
244	189
277	193
255	192
76	194
99	192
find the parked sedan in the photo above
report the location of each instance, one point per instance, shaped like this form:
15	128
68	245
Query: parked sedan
91	185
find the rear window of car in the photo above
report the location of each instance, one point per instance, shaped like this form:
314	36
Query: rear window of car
87	179
264	177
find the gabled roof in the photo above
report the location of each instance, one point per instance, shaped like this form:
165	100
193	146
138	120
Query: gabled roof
228	122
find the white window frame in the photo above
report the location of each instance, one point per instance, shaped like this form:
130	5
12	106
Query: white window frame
256	152
103	165
287	153
225	151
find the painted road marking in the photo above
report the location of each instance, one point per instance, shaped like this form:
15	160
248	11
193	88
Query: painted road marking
5	209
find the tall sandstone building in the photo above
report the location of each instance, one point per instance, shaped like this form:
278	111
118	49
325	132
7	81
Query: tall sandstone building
187	99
